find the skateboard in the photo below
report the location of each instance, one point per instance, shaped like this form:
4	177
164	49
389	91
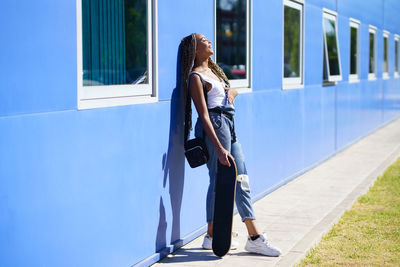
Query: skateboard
225	190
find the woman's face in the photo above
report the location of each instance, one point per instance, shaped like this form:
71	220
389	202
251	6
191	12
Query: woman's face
203	46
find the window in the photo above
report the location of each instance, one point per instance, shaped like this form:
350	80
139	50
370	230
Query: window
354	74
233	40
385	54
115	57
293	30
396	55
332	70
372	53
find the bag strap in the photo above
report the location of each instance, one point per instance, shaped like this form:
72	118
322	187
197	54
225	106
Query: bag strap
188	102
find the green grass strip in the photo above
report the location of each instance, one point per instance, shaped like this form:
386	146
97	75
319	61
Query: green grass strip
369	233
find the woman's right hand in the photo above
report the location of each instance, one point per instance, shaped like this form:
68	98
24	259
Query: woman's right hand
223	155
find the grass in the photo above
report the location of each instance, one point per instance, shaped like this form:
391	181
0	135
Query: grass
369	233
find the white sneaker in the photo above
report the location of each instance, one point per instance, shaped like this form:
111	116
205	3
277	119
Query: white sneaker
207	243
261	246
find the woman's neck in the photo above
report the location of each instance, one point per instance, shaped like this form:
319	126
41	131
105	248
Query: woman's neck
201	64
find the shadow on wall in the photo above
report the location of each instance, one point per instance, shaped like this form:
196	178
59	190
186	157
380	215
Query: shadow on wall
173	165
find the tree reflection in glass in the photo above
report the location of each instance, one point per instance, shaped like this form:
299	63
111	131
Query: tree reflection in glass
396	55
291	41
385	55
353	50
371	52
331	43
231	40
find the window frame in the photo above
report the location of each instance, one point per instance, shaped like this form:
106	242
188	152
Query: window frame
396	60
372	75
331	14
298	82
242	85
385	74
125	94
354	23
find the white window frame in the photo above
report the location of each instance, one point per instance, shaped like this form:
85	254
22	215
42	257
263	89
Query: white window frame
372	29
242	85
385	74
297	82
331	15
396	39
353	23
118	95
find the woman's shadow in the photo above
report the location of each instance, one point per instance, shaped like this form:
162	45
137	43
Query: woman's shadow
173	165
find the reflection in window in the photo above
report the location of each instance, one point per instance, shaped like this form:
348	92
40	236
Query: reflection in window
331	53
114	42
354	49
372	52
386	54
396	55
231	43
292	44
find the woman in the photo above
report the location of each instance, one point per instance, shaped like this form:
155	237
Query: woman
216	121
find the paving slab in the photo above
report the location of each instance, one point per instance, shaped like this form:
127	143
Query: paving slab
298	214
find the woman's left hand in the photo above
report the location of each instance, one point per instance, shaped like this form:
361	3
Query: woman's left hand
232	93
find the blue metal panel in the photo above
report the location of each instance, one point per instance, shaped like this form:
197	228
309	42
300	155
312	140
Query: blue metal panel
38	62
359	110
364	51
370	12
343	33
319	123
329	4
391	20
313	45
391	55
349	116
267	45
391	96
379	53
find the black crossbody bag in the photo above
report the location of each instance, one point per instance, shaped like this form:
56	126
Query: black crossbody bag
196	151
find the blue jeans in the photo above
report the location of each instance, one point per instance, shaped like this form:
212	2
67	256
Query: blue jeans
223	128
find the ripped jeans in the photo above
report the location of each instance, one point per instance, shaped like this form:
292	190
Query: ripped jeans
223	128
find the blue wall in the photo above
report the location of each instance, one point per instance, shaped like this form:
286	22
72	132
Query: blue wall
110	186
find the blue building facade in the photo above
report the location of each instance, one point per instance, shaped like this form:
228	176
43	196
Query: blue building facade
109	186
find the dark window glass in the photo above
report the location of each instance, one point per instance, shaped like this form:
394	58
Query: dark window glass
396	55
232	38
353	50
114	42
331	45
291	57
385	55
325	70
371	52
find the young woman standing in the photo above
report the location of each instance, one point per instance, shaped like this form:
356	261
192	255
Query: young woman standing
216	121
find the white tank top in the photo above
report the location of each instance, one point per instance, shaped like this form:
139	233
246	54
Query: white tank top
216	96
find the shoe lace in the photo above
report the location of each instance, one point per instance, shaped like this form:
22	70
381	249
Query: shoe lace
265	239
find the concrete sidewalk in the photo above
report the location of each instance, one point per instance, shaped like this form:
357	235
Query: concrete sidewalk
298	214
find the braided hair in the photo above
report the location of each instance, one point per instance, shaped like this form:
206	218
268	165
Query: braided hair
188	56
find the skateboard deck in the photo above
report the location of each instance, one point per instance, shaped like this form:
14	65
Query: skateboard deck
225	190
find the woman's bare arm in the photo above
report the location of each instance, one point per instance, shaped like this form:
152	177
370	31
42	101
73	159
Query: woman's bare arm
232	93
196	92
